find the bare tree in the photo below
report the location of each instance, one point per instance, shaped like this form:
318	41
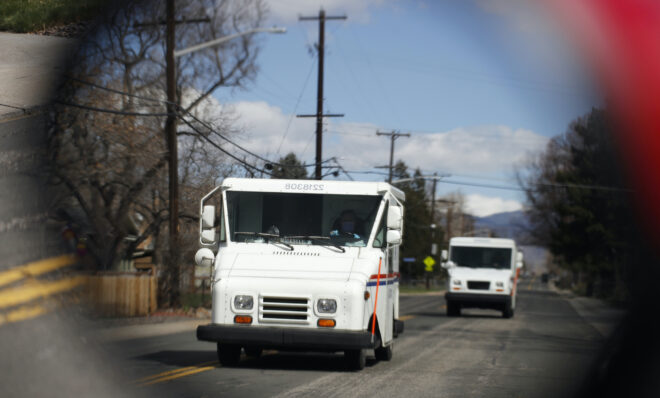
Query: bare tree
108	150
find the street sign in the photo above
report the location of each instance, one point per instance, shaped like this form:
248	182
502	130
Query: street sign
429	262
409	259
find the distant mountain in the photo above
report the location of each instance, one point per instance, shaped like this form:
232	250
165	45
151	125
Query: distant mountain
514	225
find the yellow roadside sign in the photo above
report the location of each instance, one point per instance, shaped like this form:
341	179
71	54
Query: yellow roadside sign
429	262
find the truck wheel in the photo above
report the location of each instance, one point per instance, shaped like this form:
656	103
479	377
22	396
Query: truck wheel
384	353
229	354
453	309
355	359
507	312
253	352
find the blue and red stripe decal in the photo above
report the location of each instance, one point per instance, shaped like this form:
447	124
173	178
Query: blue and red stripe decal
385	279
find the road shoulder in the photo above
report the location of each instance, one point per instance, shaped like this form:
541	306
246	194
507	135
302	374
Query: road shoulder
601	315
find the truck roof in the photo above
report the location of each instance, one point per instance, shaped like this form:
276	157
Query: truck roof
488	242
312	186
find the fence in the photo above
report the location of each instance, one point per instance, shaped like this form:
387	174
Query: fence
123	293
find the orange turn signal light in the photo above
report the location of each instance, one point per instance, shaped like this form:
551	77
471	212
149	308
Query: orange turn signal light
367	295
245	319
457	288
499	290
326	323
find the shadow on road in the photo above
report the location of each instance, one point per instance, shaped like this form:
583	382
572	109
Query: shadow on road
311	361
180	358
270	360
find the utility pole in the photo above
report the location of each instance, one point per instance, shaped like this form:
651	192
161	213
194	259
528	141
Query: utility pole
393	136
170	132
172	147
319	93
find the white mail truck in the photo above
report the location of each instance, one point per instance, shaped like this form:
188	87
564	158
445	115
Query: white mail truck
482	273
302	265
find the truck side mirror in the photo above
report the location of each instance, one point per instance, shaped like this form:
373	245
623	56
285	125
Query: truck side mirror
204	257
394	218
519	264
448	265
208	236
208	216
393	237
519	257
444	255
207	221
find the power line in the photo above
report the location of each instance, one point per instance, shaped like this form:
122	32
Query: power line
295	109
243	162
112	90
319	94
113	111
393	136
178	108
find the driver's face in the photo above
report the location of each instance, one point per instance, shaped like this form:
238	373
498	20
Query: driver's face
347	226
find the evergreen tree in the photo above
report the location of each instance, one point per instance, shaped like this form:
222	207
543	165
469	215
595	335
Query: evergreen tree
578	205
289	168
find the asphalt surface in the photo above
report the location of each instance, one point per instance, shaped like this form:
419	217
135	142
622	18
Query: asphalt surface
44	350
31	67
25	235
545	350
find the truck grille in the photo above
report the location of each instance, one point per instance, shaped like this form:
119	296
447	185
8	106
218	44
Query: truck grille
293	310
478	285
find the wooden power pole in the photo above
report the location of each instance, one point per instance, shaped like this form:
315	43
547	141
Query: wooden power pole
393	136
319	93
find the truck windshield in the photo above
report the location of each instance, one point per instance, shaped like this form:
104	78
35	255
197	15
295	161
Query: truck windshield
481	257
312	219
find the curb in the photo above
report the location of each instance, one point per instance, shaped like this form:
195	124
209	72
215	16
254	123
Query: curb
131	332
433	293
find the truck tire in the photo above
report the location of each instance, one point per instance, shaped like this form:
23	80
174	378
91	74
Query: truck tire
507	312
253	352
453	309
229	354
384	353
355	359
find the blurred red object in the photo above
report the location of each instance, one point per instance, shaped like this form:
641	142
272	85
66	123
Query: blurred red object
621	42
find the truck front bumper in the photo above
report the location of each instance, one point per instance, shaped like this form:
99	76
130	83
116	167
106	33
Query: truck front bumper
286	338
478	300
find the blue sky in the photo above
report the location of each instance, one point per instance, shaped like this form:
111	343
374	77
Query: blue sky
479	84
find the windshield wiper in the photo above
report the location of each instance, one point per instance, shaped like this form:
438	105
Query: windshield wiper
269	237
323	240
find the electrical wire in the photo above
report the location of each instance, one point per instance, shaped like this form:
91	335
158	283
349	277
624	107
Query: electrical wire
214	144
288	125
113	111
179	108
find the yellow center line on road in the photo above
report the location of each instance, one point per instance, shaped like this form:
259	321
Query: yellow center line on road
31	291
23	314
406	317
36	268
177	373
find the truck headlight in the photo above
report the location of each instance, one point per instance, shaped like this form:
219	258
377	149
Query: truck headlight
243	302
326	306
499	284
456	282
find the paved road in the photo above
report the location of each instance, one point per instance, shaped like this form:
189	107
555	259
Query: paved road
545	350
30	70
24	198
44	352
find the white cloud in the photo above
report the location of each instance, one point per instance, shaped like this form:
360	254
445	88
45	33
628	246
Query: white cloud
481	206
287	11
475	149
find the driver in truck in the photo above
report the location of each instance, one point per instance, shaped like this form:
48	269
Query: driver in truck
347	223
